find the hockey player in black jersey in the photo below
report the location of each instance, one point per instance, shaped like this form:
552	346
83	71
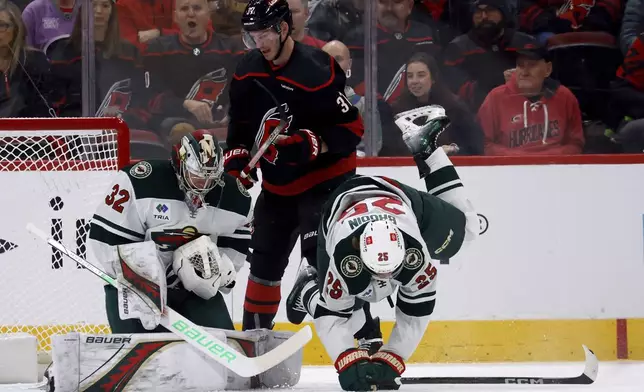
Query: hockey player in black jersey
315	152
377	235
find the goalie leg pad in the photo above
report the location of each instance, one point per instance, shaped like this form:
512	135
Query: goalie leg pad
142	280
158	362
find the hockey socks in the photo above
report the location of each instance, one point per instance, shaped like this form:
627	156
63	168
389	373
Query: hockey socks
262	301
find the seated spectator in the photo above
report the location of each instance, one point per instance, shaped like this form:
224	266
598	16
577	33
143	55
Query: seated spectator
627	95
632	24
341	54
48	20
544	18
188	73
333	19
226	14
119	75
142	20
398	37
25	91
300	12
531	114
475	62
631	137
451	17
425	87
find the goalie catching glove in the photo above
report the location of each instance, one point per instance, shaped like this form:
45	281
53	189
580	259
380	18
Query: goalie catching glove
202	269
142	283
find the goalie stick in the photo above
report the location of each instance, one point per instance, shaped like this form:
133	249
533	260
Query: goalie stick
587	377
196	335
271	138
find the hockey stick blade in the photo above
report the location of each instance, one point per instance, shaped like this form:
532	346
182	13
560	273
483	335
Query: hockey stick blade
271	138
197	336
587	377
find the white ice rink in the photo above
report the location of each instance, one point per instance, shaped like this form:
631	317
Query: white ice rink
612	377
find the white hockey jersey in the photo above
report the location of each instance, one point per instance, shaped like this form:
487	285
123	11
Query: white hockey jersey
145	203
431	228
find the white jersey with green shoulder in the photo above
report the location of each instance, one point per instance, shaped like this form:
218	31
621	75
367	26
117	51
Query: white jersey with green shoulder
345	278
145	203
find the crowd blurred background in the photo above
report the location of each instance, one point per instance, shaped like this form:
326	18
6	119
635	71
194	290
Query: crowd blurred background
516	77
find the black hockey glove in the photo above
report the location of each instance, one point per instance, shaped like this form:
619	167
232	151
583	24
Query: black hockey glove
302	146
235	160
387	367
355	370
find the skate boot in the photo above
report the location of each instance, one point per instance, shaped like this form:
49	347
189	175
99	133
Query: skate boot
305	287
370	337
421	129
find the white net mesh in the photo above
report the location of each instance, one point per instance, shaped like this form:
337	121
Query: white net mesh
53	173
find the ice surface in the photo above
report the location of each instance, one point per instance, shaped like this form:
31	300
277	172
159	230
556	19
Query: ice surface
613	377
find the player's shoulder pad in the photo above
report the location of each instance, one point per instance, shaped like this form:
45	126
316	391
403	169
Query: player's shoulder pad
346	257
414	259
252	62
154	179
233	197
321	72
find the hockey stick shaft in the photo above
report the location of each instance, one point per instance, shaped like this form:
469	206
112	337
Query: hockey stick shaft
271	138
587	377
196	335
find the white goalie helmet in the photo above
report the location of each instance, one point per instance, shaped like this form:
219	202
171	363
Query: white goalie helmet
382	249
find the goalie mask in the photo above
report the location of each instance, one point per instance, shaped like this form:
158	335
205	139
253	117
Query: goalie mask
381	249
421	128
198	162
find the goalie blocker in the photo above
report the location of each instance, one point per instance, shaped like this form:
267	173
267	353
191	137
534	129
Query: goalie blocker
162	362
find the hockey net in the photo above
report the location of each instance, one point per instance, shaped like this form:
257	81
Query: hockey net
53	173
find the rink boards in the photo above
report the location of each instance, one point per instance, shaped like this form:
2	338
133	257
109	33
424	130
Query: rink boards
560	262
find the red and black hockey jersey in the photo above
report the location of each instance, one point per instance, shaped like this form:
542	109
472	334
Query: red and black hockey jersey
562	16
394	49
179	71
120	82
310	88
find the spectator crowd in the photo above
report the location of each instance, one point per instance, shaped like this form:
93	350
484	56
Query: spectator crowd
516	77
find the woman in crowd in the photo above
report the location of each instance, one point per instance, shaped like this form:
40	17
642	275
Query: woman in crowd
424	86
119	75
25	90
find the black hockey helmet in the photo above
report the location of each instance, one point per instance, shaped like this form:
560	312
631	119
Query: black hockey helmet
265	14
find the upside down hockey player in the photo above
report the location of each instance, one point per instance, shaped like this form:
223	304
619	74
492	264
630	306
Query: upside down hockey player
377	234
315	153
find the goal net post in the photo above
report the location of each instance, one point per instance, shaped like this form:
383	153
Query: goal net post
53	172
